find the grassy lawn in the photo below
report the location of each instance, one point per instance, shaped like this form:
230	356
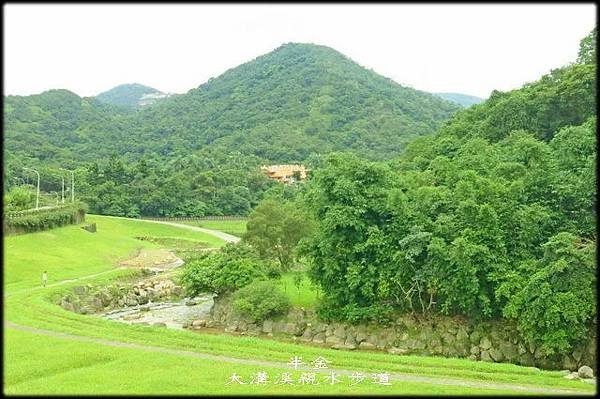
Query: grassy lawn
303	295
233	227
41	364
88	367
70	251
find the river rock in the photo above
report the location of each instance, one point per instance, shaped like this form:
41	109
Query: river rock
397	351
585	372
131	300
462	335
267	326
475	337
367	345
334	340
577	355
572	376
496	354
67	306
199	323
80	290
339	331
569	363
485	356
485	343
319	338
343	346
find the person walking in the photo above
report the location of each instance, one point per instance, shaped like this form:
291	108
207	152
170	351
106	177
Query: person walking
44	278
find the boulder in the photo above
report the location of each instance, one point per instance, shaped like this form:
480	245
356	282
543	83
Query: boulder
585	372
367	345
397	351
253	330
339	331
448	339
496	354
343	346
485	356
159	324
509	351
67	306
80	290
177	290
267	326
142	300
131	300
199	323
485	343
319	338
462	335
572	376
577	355
475	337
333	340
569	363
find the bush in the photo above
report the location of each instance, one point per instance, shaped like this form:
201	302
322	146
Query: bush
260	300
379	313
234	267
556	305
36	220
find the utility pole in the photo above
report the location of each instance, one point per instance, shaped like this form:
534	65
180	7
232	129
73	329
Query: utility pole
37	197
63	189
72	183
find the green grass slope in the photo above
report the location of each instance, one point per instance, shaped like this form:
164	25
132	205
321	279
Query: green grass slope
36	363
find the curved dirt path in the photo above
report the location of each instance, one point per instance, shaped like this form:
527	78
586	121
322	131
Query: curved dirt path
394	377
219	234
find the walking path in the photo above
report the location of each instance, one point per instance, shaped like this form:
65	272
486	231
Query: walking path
394	377
216	233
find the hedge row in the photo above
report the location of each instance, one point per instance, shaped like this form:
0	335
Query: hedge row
44	219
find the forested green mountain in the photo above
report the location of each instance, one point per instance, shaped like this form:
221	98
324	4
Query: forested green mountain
298	102
463	100
131	95
493	216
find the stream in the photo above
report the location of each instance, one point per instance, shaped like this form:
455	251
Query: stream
167	314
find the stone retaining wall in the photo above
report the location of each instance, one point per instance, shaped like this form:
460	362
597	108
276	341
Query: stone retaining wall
87	299
494	341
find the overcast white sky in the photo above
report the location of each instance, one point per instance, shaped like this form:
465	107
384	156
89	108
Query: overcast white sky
470	49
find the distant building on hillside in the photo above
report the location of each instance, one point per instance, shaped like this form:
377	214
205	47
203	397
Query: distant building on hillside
286	173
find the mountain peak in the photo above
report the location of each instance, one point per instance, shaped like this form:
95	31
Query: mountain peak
133	95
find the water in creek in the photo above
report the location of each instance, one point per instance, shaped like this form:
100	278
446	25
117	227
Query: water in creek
172	314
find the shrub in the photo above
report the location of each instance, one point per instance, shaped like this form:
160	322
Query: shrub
234	267
379	313
260	300
556	305
35	220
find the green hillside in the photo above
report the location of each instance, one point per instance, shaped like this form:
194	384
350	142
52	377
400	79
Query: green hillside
463	100
291	105
127	95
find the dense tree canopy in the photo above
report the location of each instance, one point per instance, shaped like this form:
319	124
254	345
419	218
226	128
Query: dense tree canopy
492	217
